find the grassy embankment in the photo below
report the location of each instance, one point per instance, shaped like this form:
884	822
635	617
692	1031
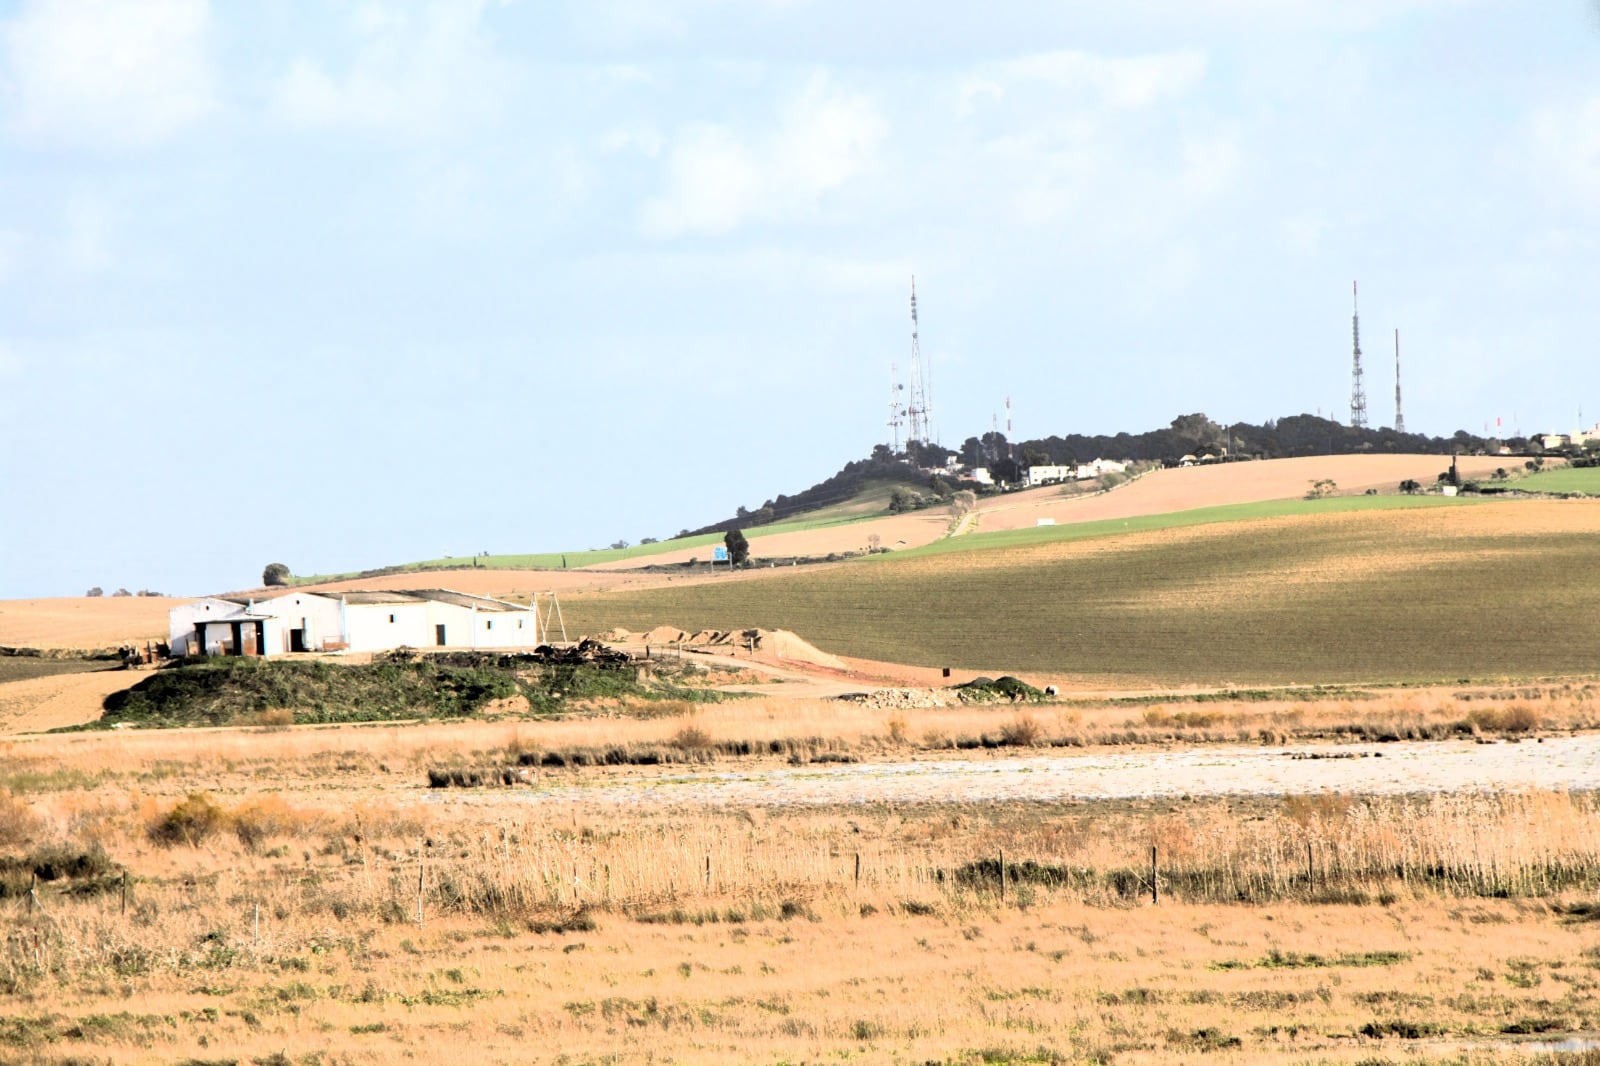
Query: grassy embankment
254	692
1392	591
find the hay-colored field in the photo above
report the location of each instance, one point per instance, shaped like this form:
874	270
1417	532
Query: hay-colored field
1188	488
1360	596
289	919
83	621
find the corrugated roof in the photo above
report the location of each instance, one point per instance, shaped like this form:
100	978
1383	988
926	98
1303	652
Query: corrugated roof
380	596
464	599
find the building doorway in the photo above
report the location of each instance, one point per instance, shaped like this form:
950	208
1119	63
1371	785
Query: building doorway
438	634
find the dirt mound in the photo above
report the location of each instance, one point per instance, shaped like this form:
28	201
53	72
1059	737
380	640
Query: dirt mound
662	635
782	644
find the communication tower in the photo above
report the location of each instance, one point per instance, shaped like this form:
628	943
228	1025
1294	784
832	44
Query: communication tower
1358	392
918	410
1399	418
897	410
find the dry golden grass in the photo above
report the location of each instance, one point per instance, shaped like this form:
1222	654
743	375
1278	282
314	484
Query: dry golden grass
283	914
595	938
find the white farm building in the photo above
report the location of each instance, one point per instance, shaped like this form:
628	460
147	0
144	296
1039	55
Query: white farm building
349	621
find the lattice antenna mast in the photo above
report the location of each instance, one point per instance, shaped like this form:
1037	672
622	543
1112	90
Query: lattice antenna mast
897	411
918	411
1399	417
1358	391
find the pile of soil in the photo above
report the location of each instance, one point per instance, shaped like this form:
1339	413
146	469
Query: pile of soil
775	644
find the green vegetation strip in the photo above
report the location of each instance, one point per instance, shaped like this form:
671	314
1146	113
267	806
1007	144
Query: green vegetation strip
593	557
1371	597
247	691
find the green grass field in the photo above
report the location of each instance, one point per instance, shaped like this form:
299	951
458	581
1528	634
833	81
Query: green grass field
1377	594
872	502
1585	479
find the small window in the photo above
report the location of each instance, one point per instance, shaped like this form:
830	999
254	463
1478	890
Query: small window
391	619
519	623
488	623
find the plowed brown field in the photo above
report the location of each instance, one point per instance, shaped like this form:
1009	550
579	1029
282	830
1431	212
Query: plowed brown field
1185	489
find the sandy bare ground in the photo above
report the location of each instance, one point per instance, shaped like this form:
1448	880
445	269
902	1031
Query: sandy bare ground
1187	488
1558	763
42	703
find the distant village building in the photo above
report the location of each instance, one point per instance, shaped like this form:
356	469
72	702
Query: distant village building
1045	475
1100	466
348	621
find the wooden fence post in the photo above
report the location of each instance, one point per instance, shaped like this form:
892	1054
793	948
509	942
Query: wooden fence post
858	869
1155	892
1002	875
708	871
124	891
422	868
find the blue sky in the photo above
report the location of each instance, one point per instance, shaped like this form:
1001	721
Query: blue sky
348	284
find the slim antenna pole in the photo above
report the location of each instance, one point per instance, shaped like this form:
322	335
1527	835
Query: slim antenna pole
1399	417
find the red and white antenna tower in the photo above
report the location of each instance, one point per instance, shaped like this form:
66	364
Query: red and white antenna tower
1358	391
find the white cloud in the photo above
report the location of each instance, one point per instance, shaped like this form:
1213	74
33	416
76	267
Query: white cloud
425	75
719	179
86	245
127	72
1122	82
1562	151
10	253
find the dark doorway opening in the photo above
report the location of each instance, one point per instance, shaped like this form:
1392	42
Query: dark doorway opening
438	634
297	640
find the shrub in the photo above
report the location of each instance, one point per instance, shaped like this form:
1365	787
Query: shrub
1023	731
1515	718
261	819
18	822
691	738
190	822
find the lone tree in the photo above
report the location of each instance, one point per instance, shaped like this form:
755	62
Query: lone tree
275	574
738	547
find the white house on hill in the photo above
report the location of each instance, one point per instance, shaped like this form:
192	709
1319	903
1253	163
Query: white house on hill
349	621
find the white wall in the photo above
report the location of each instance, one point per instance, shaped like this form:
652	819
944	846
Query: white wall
382	626
318	614
181	620
466	628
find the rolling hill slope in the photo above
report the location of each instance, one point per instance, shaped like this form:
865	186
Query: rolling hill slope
1489	589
